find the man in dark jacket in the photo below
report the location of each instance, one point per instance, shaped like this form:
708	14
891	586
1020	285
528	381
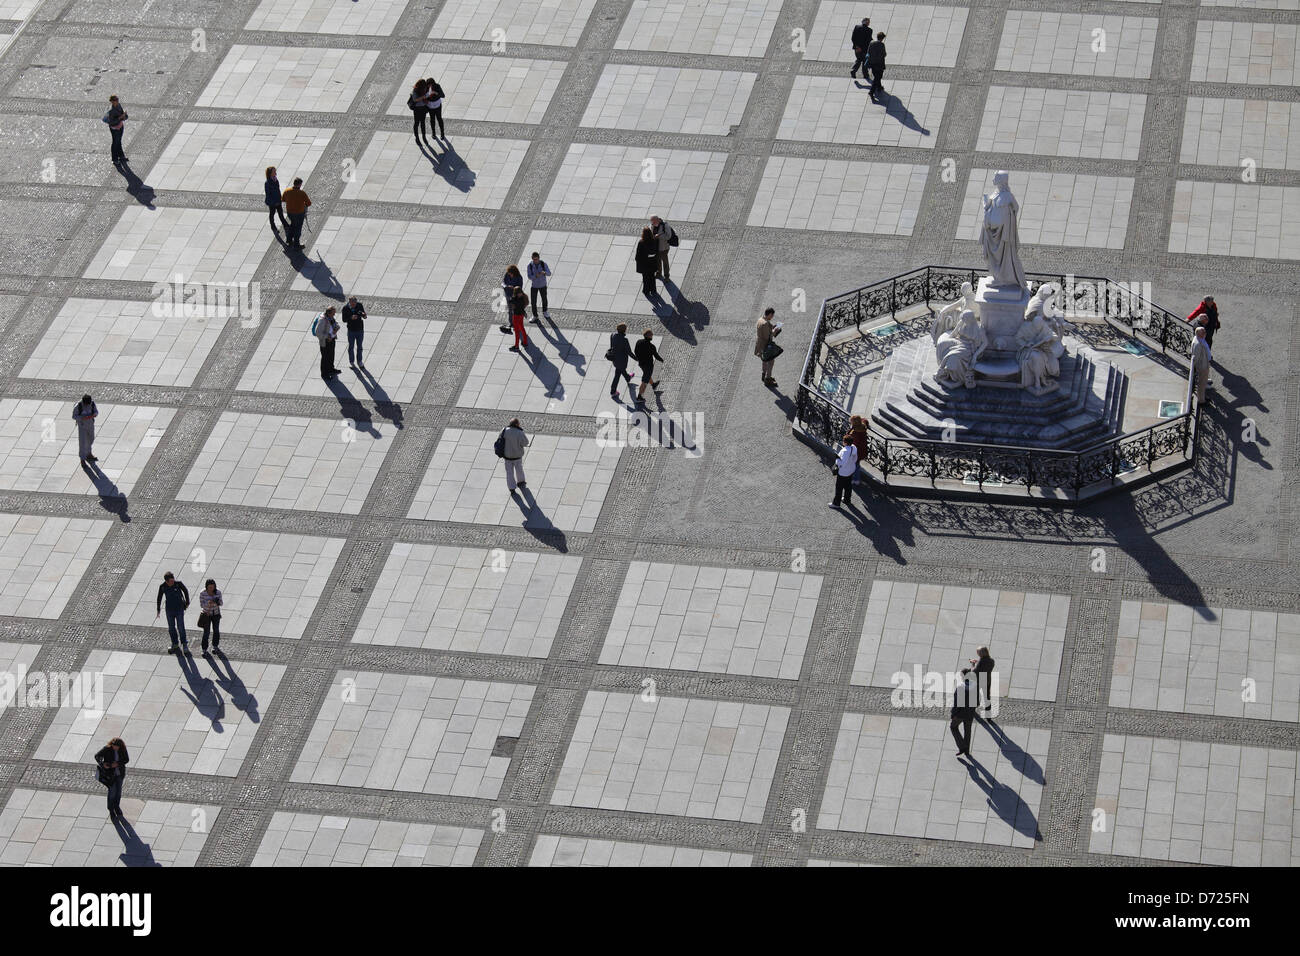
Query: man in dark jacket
354	317
646	354
876	64
116	120
647	263
620	351
963	712
860	40
112	761
178	599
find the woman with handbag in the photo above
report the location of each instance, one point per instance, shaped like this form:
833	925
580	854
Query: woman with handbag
210	614
765	346
112	761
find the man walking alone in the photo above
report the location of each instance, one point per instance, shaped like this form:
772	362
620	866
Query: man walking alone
116	120
84	414
177	599
296	202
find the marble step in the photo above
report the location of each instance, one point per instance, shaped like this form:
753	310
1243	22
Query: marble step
996	404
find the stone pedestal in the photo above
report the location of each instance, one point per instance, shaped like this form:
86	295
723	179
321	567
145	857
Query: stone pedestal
1002	313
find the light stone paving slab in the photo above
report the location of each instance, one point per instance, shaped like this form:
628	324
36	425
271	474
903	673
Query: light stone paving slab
47	828
1196	802
201	245
1244	52
301	79
388	257
501	89
712	27
468	599
1177	658
273	461
669	99
712	619
1228	132
938	628
17	9
15	661
607	181
39	447
110	340
396	351
42	560
1236	219
543	22
678	756
182	714
474	173
577	851
838	195
567	479
898	775
1034	42
421	734
232	158
824	109
915	34
563	372
309	839
594	272
1057	209
270	582
1077	123
343	17
1254	4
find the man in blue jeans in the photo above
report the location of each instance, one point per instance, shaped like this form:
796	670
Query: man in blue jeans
354	317
178	599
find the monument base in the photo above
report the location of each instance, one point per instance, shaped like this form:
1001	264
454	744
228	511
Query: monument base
1002	313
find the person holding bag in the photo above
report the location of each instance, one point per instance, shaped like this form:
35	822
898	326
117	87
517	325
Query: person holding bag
112	761
210	614
765	346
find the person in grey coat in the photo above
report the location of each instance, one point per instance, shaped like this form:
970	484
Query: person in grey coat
513	442
1200	376
84	414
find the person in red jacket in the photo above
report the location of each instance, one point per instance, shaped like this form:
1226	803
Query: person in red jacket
1209	317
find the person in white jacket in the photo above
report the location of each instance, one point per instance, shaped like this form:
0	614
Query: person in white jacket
846	466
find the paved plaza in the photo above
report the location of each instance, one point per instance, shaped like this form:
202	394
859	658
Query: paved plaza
649	654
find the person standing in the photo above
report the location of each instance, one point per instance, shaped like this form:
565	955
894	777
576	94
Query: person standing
116	119
327	333
857	435
173	592
518	314
1209	318
647	260
646	355
84	414
876	64
664	237
274	201
112	760
210	614
963	713
354	317
846	466
538	273
983	664
296	202
620	351
765	332
513	443
1202	358
860	40
436	97
418	104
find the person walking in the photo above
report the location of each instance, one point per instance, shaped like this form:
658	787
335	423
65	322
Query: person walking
963	713
518	314
646	355
620	351
876	64
176	596
112	760
116	119
354	317
860	40
210	614
538	273
1202	358
326	330
418	104
437	97
296	202
983	665
764	345
274	201
665	238
512	443
84	414
647	260
846	466
1208	314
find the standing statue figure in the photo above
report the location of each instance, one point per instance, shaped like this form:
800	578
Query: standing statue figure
949	316
1000	236
958	350
1037	353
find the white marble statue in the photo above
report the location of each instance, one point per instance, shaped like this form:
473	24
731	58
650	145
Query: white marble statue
949	316
1043	304
1000	237
957	351
1039	365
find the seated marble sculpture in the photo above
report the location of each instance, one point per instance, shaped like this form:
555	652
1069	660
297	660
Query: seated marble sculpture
1038	343
949	316
1043	303
957	351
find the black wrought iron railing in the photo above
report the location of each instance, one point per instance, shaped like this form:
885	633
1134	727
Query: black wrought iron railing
1052	473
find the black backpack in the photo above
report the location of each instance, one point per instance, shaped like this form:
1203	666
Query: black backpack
410	102
672	238
499	446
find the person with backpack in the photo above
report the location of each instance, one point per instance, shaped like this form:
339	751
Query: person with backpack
436	98
509	447
646	354
538	272
418	104
666	238
326	330
620	350
210	614
84	414
116	119
518	312
112	760
274	200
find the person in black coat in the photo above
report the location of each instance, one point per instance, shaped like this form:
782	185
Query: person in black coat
646	354
876	64
984	676
112	762
647	263
620	351
274	202
963	712
860	40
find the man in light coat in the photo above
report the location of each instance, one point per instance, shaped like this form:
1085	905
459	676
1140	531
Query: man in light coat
1200	375
513	443
765	330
